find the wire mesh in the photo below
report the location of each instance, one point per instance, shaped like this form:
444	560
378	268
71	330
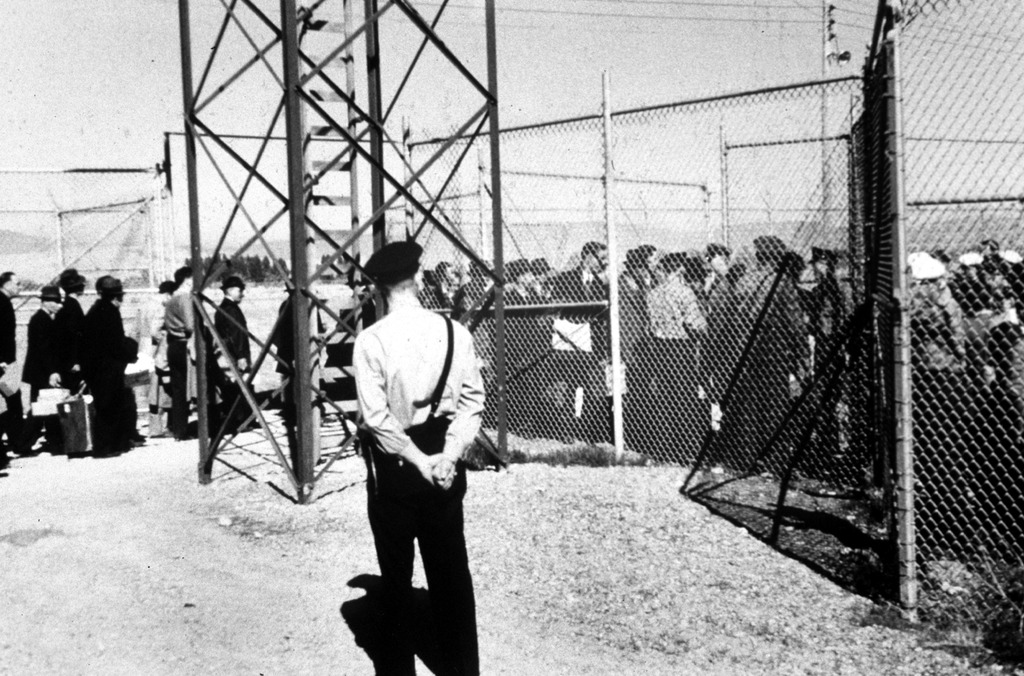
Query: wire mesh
963	68
101	222
772	166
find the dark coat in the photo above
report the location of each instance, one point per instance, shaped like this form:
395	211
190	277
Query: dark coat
234	334
68	325
283	337
41	356
106	352
8	327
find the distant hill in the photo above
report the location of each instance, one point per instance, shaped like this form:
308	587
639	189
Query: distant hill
12	243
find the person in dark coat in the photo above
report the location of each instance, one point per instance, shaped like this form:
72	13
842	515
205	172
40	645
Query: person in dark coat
588	283
11	417
635	283
828	312
283	340
41	370
106	354
778	355
68	330
233	330
724	332
527	342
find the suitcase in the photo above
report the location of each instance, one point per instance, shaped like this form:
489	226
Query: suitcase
76	421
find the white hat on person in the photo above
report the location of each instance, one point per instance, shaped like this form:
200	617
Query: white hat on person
1011	256
971	258
924	266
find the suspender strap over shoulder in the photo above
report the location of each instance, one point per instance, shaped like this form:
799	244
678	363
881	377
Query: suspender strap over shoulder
435	400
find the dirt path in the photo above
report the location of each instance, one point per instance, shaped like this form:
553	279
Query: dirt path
126	565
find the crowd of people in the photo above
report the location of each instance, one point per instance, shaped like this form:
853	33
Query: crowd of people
86	354
968	407
685	318
70	349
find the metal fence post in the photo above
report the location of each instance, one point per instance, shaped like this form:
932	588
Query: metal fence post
613	272
903	394
497	226
303	456
723	151
193	217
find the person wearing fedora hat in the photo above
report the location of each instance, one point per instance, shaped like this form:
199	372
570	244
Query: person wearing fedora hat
68	324
421	395
41	370
107	351
233	329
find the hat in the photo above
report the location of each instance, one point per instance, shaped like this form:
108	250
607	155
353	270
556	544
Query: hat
517	268
636	259
232	281
50	293
167	286
394	262
108	286
540	266
715	250
924	266
671	262
71	281
769	246
592	249
822	254
971	258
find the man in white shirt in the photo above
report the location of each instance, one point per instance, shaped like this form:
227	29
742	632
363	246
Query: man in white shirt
417	435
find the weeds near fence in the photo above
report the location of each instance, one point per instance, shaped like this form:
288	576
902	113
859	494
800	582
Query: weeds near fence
985	598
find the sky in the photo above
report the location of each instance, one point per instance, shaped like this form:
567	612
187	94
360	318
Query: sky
98	82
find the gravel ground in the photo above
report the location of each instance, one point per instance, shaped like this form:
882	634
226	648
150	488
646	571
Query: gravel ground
127	566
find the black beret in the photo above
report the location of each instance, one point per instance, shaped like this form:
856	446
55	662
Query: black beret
232	281
394	262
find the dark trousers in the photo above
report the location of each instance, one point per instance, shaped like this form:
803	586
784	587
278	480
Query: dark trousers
177	364
12	420
115	422
435	519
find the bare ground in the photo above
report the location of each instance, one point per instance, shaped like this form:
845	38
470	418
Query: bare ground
126	565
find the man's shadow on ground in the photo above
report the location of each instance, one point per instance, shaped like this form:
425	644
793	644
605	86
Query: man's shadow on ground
363	616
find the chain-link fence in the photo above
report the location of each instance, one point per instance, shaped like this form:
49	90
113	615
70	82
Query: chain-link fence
739	222
962	79
115	221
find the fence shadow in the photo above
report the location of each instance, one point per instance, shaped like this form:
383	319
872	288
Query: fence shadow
840	536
